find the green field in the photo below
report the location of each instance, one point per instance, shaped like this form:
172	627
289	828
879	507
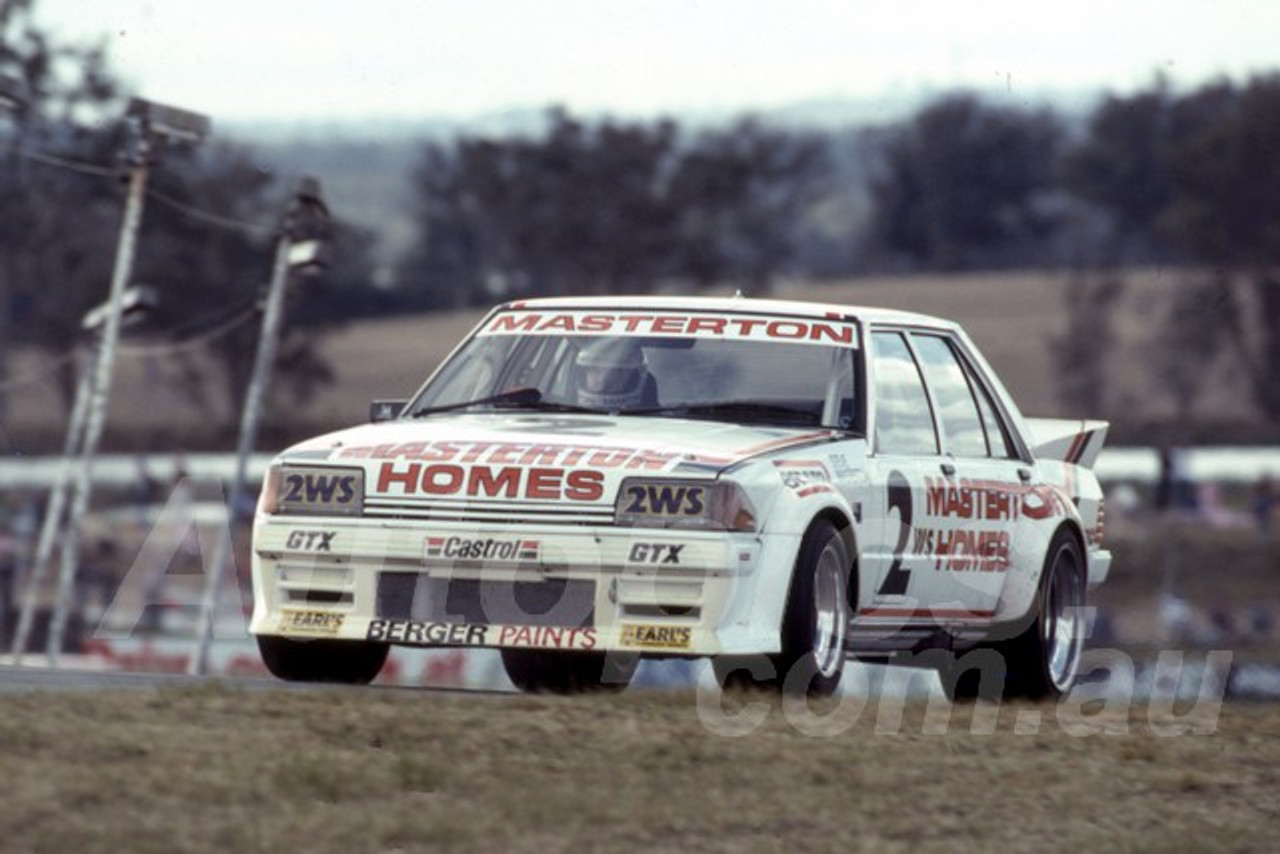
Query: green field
213	769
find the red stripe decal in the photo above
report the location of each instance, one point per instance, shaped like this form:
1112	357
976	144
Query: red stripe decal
784	442
1078	444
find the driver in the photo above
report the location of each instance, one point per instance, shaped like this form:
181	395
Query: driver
613	374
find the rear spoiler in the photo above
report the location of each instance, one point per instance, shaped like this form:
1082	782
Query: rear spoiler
1067	439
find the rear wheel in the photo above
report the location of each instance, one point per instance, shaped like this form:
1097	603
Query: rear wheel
537	671
345	662
1041	662
815	625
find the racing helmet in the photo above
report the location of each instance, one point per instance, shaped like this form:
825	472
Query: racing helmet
611	374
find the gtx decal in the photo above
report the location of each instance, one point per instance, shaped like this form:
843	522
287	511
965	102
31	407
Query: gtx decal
662	553
310	541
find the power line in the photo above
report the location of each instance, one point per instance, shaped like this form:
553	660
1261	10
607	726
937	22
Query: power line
99	171
209	218
70	165
153	349
199	325
149	348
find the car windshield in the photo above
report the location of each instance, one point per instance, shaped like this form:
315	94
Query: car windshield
784	371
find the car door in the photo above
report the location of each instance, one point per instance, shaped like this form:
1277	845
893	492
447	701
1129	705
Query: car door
904	451
972	503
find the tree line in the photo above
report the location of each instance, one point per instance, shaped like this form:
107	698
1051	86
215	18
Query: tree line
1185	179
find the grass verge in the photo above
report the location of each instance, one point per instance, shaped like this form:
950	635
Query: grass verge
221	769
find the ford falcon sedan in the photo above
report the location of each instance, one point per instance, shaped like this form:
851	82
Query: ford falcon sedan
777	486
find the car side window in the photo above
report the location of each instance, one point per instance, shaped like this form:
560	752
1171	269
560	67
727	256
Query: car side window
997	436
904	419
962	424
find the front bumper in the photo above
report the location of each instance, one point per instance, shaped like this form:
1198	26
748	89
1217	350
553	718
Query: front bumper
659	592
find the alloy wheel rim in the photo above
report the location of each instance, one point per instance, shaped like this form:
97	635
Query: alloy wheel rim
830	613
1063	626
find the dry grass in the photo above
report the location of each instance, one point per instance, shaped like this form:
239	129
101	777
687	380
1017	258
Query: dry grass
216	769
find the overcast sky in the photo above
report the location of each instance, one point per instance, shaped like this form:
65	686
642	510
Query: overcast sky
240	60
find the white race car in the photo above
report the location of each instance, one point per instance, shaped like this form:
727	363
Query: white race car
775	485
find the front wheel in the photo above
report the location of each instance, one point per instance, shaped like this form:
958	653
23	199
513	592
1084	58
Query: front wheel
538	671
815	624
344	662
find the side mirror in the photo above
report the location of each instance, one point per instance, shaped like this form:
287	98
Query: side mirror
386	410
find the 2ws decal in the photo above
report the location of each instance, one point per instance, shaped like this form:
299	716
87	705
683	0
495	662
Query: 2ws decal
647	499
328	491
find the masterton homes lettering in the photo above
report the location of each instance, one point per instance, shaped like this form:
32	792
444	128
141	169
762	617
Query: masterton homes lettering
796	330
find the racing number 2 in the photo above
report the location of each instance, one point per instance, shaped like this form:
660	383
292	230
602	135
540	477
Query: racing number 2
895	580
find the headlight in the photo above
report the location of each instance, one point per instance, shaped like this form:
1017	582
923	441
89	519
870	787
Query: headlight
313	491
718	505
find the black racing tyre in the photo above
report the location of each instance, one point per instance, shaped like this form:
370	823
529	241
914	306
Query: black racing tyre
340	661
1042	661
539	671
815	624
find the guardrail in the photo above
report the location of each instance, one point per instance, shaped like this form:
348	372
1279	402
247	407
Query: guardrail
125	470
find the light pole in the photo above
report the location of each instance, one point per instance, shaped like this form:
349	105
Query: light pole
154	125
300	248
51	526
137	301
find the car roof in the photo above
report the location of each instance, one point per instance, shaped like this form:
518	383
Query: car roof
795	308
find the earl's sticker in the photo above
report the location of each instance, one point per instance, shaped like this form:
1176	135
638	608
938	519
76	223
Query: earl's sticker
656	637
297	622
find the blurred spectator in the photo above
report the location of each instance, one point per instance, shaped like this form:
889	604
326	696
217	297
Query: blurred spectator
147	488
96	580
1222	626
1177	618
8	594
1163	498
180	473
1264	503
1260	622
1174	489
1123	499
